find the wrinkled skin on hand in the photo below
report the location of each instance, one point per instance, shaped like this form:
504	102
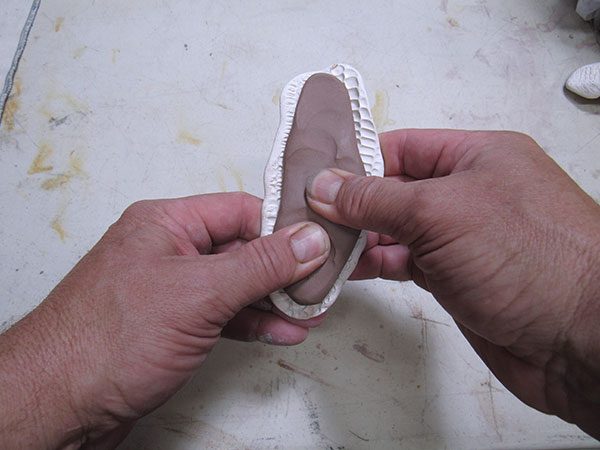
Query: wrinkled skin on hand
141	311
506	242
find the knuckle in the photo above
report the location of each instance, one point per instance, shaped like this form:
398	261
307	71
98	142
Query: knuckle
136	209
357	195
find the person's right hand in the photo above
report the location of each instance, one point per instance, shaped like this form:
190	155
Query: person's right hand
505	241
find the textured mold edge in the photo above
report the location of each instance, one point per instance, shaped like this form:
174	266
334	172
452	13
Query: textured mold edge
370	154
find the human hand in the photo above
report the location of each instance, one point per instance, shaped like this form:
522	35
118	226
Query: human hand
506	242
139	314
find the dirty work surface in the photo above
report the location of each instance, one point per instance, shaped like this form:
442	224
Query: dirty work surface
119	101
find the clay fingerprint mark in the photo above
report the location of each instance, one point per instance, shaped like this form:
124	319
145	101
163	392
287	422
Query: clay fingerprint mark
364	350
40	162
305	373
59	23
185	137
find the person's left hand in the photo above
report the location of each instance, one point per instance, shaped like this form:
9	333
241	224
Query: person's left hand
140	312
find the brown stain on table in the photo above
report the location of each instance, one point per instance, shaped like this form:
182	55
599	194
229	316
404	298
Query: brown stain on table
40	162
12	106
76	164
17	85
10	110
75	169
238	179
305	373
453	22
57	226
187	138
59	23
221	182
364	350
57	181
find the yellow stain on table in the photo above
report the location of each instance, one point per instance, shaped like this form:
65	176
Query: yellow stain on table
238	179
56	225
79	52
223	69
10	111
62	179
187	138
12	106
17	85
221	182
380	110
59	24
114	55
224	106
57	181
76	164
40	162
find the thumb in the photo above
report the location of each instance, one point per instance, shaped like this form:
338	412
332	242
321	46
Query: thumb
272	262
371	203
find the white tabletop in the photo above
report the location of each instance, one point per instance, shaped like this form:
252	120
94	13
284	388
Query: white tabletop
119	101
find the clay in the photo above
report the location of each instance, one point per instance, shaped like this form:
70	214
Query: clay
322	136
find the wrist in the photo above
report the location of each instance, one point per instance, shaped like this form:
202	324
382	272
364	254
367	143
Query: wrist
35	391
581	351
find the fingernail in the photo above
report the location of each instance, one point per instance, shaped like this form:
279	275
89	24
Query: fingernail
325	186
309	242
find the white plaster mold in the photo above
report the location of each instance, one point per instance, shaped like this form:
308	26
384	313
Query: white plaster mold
585	81
370	154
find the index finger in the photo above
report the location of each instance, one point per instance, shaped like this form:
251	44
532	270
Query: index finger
215	219
424	153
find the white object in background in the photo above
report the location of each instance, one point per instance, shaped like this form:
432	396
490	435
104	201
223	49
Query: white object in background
585	81
370	154
587	8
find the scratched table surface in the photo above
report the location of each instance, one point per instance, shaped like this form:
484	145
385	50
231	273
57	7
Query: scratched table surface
118	101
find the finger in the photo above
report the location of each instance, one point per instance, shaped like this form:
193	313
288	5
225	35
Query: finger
374	239
254	325
269	263
214	219
388	262
424	154
377	204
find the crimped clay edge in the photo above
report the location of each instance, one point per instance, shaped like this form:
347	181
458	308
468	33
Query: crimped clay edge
370	154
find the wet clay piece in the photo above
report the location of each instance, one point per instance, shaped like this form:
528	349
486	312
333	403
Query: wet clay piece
322	136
